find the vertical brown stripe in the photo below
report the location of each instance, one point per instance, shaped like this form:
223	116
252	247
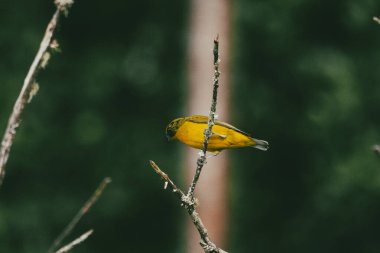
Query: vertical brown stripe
209	18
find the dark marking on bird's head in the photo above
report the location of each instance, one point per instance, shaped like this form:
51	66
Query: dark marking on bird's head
172	128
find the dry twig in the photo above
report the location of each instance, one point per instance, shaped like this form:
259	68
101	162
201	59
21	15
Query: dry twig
30	85
72	244
376	148
188	201
211	120
85	208
206	243
376	19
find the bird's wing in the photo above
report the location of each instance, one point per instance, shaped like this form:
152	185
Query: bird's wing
200	119
220	123
204	120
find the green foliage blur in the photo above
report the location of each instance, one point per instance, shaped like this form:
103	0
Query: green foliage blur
305	77
101	110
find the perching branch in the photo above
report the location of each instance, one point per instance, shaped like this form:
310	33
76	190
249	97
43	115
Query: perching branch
30	85
206	243
211	120
85	208
188	201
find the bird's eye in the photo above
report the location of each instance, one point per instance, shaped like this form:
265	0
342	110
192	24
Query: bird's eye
170	133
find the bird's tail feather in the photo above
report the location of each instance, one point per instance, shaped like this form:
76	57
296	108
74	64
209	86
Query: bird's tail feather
260	144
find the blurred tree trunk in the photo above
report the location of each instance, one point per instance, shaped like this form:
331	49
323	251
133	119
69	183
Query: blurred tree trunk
209	18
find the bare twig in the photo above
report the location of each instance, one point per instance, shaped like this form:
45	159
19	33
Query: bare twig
376	19
206	243
188	201
72	244
85	208
168	181
30	85
211	120
376	148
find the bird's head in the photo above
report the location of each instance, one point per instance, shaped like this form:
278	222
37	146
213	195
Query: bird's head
172	128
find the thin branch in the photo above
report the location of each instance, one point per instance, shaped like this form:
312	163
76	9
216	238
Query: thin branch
30	84
168	181
188	201
85	208
376	148
211	120
77	241
376	19
206	243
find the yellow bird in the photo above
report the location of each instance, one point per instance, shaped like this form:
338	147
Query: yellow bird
190	131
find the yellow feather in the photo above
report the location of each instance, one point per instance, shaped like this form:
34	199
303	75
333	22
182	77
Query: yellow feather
190	131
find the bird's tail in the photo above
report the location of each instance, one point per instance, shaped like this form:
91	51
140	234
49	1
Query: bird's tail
260	144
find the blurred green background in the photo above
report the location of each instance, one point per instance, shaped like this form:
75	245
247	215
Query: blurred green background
305	77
